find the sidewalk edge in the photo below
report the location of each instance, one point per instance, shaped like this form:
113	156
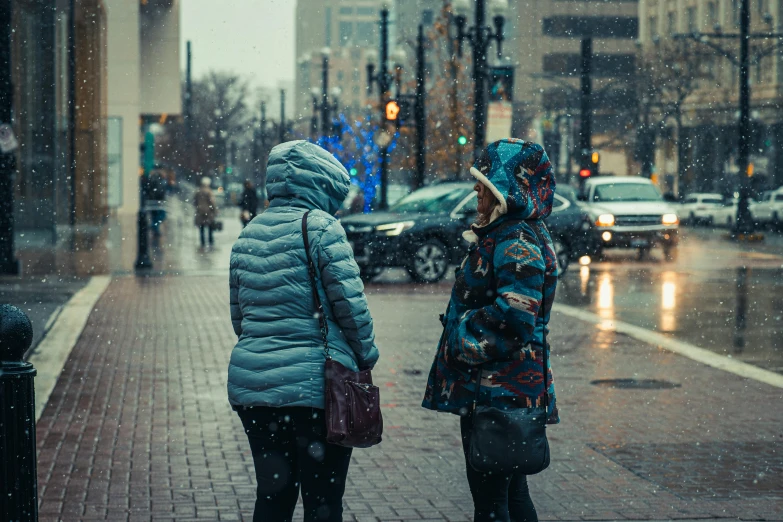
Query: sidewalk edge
688	350
51	353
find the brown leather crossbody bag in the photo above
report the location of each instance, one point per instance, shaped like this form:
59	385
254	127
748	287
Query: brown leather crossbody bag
352	403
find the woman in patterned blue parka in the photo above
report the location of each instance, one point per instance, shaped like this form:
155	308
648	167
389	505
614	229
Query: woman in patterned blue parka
492	321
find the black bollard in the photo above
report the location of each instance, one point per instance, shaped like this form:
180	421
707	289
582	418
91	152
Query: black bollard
18	474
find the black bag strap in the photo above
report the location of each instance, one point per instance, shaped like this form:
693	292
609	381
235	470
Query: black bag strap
541	315
319	308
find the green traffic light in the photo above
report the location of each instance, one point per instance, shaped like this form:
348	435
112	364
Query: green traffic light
462	140
354	172
229	170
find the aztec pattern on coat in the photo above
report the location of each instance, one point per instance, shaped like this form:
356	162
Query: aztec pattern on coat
279	357
492	322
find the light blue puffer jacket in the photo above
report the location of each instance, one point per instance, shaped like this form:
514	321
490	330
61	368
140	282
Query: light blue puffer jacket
279	357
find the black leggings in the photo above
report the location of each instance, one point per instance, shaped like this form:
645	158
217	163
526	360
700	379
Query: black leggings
289	449
496	498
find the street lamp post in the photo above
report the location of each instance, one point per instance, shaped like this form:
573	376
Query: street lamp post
479	37
325	130
420	114
314	117
8	261
383	79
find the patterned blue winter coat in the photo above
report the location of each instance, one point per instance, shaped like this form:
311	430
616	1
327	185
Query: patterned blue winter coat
279	357
492	321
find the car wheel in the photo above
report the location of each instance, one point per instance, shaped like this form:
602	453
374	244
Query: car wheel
429	262
729	221
562	254
643	254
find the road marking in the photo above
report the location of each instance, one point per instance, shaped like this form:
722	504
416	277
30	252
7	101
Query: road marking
688	350
51	353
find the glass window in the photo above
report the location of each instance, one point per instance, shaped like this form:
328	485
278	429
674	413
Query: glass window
438	198
427	17
690	199
671	23
654	28
691	17
712	13
346	10
626	192
346	32
366	11
365	33
779	197
713	201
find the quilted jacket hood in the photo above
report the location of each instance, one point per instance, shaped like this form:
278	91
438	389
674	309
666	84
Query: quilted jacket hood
302	174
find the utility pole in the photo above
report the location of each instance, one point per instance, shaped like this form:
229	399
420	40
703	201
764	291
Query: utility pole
189	101
325	124
384	88
421	117
8	261
744	218
586	127
281	129
72	113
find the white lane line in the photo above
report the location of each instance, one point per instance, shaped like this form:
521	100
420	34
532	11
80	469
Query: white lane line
679	347
51	353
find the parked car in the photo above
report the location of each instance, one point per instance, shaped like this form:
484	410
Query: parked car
630	212
709	209
769	210
423	231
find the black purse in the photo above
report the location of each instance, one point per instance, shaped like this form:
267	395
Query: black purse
506	441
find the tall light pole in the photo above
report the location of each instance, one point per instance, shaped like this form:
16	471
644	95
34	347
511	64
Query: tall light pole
480	36
325	127
421	122
383	79
8	261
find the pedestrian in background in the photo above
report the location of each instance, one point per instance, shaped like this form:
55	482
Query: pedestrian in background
492	348
157	189
276	373
206	211
248	206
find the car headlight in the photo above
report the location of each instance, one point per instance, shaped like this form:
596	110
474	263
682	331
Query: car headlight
670	219
605	220
394	229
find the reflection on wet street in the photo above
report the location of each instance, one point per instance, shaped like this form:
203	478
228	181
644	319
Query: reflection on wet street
718	295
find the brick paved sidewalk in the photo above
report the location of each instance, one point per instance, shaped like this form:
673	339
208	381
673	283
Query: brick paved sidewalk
138	427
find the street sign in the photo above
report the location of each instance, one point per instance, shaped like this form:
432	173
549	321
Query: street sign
567	26
603	65
8	141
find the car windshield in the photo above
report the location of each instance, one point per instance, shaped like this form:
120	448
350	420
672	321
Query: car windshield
433	199
626	192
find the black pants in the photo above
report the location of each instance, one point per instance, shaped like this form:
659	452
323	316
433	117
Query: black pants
496	498
289	449
202	229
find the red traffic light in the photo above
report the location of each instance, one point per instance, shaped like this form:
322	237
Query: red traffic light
584	173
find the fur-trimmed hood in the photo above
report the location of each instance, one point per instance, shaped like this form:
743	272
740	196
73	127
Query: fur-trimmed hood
520	176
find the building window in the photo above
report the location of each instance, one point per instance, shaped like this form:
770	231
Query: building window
346	32
735	12
427	17
340	76
691	17
328	32
654	28
365	33
355	75
114	158
671	23
366	11
712	14
346	10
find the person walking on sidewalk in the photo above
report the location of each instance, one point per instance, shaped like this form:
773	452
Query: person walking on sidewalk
206	211
248	206
276	371
492	346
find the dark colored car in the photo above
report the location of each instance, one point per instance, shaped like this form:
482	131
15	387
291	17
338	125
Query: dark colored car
423	231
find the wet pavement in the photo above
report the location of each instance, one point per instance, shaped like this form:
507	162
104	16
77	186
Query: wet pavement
718	294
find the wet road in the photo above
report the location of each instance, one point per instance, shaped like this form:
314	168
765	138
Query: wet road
719	295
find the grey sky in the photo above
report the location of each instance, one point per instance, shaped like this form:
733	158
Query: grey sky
252	37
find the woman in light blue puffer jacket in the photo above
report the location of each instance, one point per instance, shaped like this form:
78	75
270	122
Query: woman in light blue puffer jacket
276	373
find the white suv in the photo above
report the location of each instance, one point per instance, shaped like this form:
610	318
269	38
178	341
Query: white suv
630	212
769	211
710	209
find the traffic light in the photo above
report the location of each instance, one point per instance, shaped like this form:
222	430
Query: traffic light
392	110
462	140
229	170
585	173
595	158
353	171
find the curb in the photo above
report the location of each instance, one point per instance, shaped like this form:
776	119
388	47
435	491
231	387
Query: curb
688	350
50	355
